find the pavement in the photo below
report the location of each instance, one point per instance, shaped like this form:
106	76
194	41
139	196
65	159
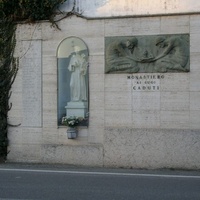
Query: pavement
33	181
64	167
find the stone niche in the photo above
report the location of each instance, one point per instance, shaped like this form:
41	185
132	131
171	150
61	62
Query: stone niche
147	54
72	58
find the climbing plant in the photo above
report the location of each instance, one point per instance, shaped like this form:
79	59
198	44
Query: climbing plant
8	70
12	11
30	10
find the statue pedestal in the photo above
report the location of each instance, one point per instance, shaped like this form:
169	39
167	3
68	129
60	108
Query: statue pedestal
77	109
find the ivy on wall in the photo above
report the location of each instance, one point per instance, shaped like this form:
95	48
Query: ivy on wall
8	71
12	11
30	10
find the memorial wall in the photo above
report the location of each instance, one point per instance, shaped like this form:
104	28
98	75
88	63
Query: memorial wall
139	72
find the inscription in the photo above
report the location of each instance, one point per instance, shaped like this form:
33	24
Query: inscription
145	77
139	88
31	88
145	82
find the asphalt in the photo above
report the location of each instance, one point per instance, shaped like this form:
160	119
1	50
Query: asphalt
64	167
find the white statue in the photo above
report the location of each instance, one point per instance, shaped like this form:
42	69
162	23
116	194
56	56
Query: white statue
78	66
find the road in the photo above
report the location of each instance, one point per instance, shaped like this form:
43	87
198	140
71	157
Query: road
39	182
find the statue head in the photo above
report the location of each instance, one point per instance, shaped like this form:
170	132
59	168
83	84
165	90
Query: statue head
76	49
131	43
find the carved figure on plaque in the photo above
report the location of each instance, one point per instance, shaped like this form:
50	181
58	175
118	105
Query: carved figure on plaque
78	66
172	55
120	56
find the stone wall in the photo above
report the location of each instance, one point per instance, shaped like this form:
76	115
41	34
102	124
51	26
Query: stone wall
127	128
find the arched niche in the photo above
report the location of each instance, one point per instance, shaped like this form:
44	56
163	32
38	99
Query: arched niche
72	63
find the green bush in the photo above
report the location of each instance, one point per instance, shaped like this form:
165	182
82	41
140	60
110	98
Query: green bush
31	10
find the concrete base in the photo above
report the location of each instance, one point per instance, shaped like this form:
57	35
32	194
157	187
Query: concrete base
77	109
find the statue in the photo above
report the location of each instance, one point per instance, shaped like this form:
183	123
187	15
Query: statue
78	68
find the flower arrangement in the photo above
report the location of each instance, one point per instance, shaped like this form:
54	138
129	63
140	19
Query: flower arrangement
71	121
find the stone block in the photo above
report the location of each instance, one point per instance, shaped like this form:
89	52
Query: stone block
96	28
118	118
96	64
15	135
87	155
73	26
32	49
146	101
194	120
49	48
50	134
194	101
15	117
146	119
133	148
17	85
194	62
49	110
177	82
96	117
194	24
175	119
151	148
96	101
118	27
16	100
175	24
49	83
175	101
32	136
182	149
118	101
146	26
95	134
96	82
49	31
31	31
194	43
49	102
49	65
50	119
95	45
194	82
117	83
26	153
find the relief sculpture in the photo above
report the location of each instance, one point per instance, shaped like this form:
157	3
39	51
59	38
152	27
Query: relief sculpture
147	54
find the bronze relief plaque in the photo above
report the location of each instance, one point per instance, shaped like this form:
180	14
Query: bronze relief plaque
147	54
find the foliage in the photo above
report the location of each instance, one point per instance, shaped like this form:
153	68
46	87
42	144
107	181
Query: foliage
30	10
72	121
8	71
12	11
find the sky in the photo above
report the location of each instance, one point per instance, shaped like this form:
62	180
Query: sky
101	8
138	7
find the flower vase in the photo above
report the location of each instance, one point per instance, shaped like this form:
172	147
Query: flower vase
72	133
